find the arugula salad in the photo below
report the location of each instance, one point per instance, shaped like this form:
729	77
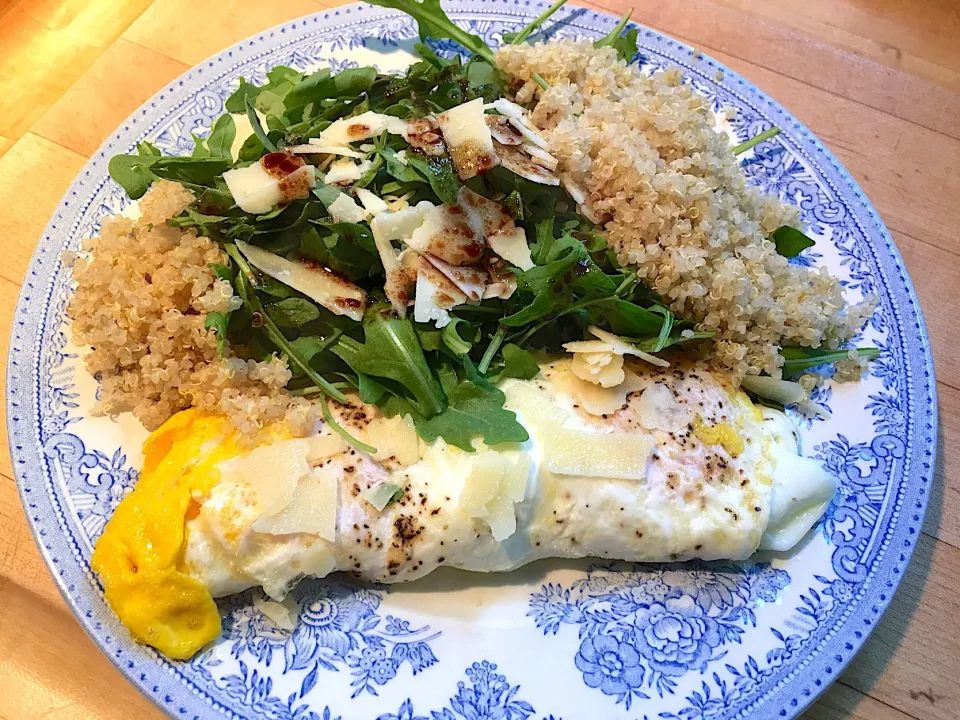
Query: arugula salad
411	238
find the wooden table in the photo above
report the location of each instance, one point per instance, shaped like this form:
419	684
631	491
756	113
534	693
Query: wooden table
877	80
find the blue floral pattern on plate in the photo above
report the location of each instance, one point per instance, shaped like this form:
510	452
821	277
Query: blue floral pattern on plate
717	641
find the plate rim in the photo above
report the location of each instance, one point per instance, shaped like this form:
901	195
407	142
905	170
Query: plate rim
920	479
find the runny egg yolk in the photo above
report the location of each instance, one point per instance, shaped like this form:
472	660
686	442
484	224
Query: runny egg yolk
140	553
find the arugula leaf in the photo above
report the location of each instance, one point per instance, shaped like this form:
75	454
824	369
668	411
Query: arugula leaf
798	359
308	346
791	242
452	338
321	85
370	390
251	150
258	130
213	201
223	272
199	147
568	273
431	57
190	170
147	150
473	411
237	102
515	38
400	172
292	312
514	203
349	249
132	172
222	135
255	307
655	345
265	284
439	173
625	45
434	23
391	350
518	363
192	218
480	73
327	194
218	321
624	318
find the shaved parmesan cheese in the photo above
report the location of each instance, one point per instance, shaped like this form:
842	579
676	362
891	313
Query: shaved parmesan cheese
446	233
485	216
360	127
621	347
257	191
658	409
401	281
573	188
587	346
606	455
401	225
495	483
386	228
345	209
394	438
501	517
531	404
603	368
282	614
512	247
316	147
501	288
468	139
385	249
594	398
328	289
483	483
373	204
517	160
346	171
542	156
435	295
312	508
323	447
470	281
271	471
519	119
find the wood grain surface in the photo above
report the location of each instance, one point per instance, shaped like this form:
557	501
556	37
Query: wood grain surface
877	80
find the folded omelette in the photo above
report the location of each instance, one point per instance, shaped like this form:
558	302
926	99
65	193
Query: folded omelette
673	464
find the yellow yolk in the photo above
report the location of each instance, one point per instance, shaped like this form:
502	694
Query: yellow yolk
720	434
140	552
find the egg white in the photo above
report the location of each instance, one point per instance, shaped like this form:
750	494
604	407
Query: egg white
694	499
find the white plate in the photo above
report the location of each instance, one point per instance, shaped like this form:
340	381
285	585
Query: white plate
719	641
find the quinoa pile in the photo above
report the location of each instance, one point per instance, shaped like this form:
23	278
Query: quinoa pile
143	291
674	203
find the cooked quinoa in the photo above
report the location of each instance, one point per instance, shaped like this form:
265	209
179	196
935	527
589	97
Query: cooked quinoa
674	203
143	291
